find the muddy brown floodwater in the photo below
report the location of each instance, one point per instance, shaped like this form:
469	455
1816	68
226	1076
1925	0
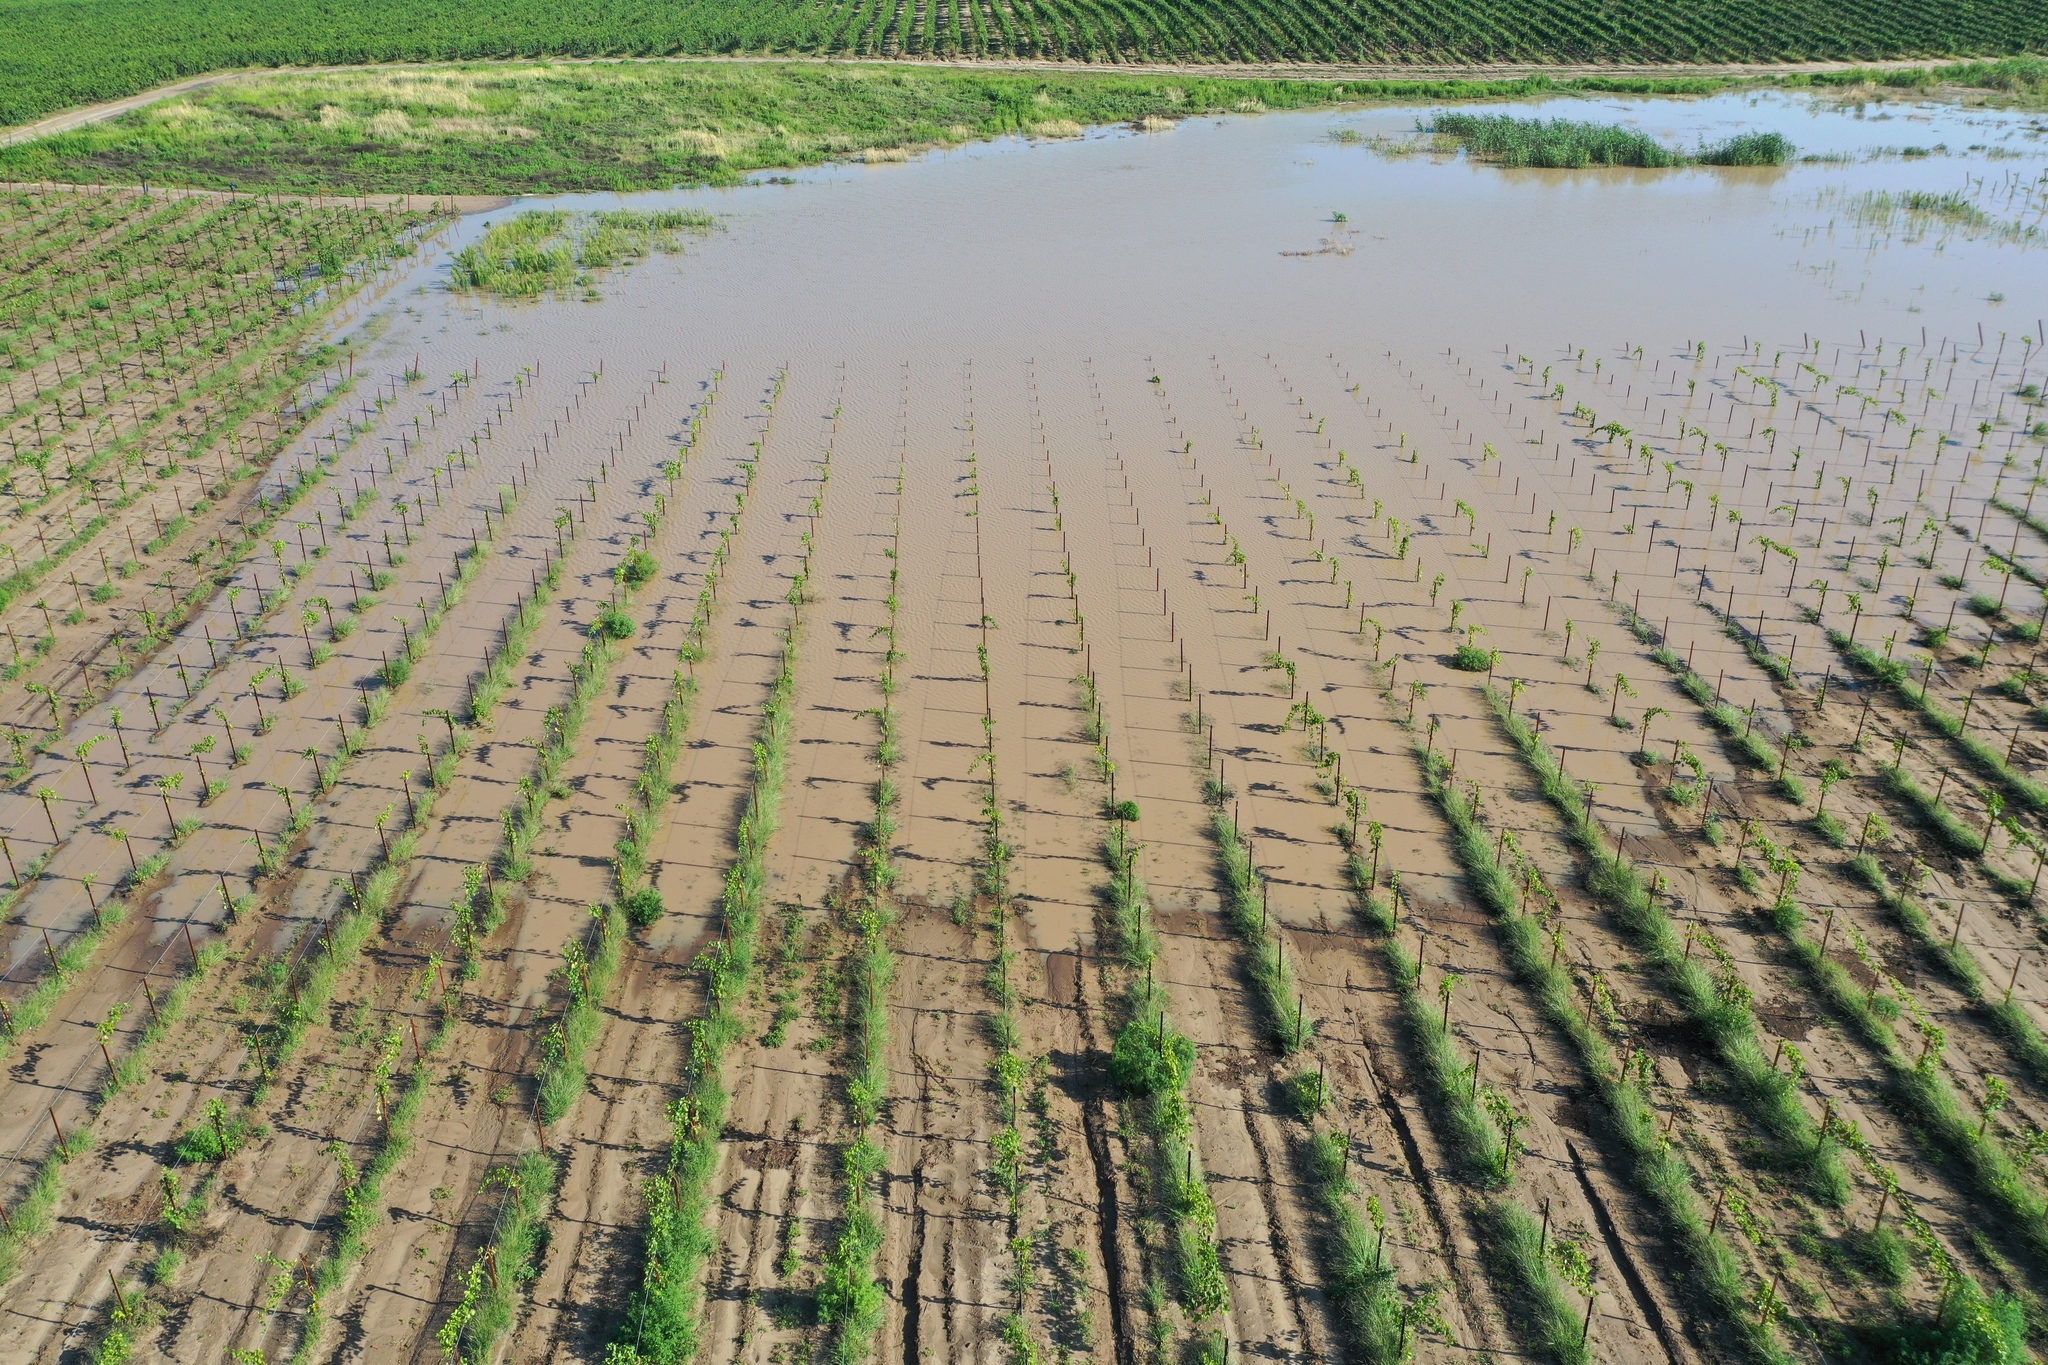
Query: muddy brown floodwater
1214	445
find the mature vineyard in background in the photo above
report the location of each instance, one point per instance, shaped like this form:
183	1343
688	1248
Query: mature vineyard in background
56	53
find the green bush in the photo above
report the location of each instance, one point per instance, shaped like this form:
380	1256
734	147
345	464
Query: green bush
1144	1063
1474	658
1968	1329
215	1137
642	907
1308	1094
638	568
612	623
1126	811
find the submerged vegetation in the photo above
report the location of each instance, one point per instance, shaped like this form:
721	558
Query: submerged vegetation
1507	140
1914	216
530	254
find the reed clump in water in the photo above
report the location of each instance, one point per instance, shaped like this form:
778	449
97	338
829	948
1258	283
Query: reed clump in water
1565	144
1558	143
1747	149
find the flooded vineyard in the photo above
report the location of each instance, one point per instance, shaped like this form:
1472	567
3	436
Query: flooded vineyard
1007	760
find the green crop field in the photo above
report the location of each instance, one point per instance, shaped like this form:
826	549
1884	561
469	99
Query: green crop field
59	53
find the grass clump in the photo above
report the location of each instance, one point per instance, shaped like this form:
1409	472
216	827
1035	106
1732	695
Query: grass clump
1307	1094
540	252
216	1137
1971	1328
1747	149
1147	1060
613	622
638	568
642	907
1506	140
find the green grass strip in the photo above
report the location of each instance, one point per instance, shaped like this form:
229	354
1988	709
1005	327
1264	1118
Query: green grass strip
1932	813
132	1068
1659	1175
661	1323
478	911
1776	665
492	1286
347	934
29	1217
1985	758
1244	902
1918	1087
1724	1019
1736	726
1545	1320
490	1301
362	1191
247	400
2033	523
518	634
2023	1038
1357	1276
1153	1063
33	1010
851	1300
591	959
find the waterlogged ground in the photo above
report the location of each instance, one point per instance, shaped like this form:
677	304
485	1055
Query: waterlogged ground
1134	239
1125	379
